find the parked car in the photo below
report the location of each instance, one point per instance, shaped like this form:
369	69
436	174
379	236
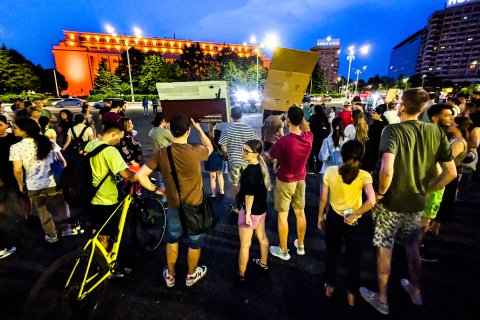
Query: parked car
327	98
70	102
99	104
51	101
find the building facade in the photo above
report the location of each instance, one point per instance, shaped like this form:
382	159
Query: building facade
78	55
404	57
328	51
449	46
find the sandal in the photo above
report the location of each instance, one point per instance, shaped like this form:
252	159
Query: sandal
259	264
240	278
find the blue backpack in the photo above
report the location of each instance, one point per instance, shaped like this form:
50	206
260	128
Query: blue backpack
329	153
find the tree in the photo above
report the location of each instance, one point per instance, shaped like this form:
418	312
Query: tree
319	80
196	66
375	82
47	80
105	81
16	72
137	59
156	69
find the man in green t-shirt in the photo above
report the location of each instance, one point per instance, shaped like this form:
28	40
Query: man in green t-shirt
410	152
45	112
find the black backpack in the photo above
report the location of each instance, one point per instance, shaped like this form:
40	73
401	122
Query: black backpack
77	145
77	179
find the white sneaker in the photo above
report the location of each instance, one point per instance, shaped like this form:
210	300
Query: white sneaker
200	272
371	297
5	252
169	279
51	239
300	248
279	253
407	286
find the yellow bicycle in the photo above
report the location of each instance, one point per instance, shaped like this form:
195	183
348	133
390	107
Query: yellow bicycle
72	287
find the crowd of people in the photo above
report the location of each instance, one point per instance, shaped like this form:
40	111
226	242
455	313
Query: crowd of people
404	165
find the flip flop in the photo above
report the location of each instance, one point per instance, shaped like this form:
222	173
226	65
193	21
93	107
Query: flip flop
5	253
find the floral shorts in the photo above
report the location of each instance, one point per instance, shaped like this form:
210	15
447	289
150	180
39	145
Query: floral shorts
390	225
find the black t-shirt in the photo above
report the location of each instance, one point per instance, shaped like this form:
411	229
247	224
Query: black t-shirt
6	171
251	183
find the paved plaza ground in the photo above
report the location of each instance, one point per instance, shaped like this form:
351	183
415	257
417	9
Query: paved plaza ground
291	290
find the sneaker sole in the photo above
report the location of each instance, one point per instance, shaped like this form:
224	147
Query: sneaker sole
366	297
280	256
196	280
406	285
300	253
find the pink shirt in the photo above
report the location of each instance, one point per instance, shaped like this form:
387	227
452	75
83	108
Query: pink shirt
292	152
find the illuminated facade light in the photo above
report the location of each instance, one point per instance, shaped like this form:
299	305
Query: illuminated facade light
72	36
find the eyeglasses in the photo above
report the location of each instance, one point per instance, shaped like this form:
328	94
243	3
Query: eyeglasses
245	151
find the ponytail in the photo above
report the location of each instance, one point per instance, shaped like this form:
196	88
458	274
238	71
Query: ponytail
266	175
32	129
337	131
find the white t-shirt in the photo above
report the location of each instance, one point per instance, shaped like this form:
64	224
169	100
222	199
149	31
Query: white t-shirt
392	116
38	174
350	132
78	129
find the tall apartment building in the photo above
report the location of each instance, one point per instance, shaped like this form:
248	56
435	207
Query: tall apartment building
328	51
404	57
78	55
450	45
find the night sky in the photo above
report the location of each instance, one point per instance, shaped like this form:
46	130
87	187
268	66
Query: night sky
32	27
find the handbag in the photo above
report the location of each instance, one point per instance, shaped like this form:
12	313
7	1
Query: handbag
56	168
195	219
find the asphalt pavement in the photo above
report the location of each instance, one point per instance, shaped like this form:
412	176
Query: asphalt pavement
291	289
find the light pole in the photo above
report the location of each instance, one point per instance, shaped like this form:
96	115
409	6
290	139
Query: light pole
253	40
423	79
405	81
351	56
124	42
357	72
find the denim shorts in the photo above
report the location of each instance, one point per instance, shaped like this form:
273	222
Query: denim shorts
175	231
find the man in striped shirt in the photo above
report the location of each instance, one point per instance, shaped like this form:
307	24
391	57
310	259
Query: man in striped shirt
232	140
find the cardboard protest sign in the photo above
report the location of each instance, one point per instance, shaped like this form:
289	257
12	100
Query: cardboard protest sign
391	95
204	101
287	78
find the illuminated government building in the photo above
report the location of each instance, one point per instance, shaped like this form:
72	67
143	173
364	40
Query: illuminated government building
78	55
328	51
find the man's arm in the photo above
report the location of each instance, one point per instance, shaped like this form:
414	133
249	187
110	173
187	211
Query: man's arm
128	174
142	177
203	137
386	173
449	172
18	173
304	126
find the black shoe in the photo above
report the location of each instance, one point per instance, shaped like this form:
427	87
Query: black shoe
240	279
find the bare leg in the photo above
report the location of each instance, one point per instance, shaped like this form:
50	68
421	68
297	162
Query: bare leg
263	240
235	190
414	265
301	225
213	184
221	183
283	229
172	255
245	242
384	258
193	257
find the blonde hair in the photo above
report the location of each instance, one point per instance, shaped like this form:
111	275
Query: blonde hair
361	127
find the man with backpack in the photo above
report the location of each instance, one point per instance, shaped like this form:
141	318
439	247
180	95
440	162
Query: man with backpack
105	165
77	137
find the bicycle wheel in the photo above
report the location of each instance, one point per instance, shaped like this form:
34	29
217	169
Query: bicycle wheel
52	298
148	224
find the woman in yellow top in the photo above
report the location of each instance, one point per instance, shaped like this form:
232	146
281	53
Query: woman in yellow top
343	185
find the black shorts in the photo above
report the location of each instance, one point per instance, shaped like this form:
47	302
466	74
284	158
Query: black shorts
99	214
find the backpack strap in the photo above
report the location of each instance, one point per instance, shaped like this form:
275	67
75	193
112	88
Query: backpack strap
73	133
174	171
83	132
92	154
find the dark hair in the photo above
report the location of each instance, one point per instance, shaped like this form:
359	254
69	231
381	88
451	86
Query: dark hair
158	119
352	152
295	115
356	99
85	106
236	113
456	101
124	123
43	121
414	100
117	104
3	119
432	95
112	126
391	105
180	124
277	112
436	109
27	104
337	131
79	118
463	124
320	114
68	113
334	109
32	129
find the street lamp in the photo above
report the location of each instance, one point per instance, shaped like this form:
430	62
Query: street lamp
423	79
357	72
351	56
253	40
405	82
124	42
270	42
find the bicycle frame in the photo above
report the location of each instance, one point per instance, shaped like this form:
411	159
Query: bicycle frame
95	244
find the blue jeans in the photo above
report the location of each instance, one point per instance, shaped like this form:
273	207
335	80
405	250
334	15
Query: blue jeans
175	231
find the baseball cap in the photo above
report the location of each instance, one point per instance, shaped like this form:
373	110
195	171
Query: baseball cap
347	103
